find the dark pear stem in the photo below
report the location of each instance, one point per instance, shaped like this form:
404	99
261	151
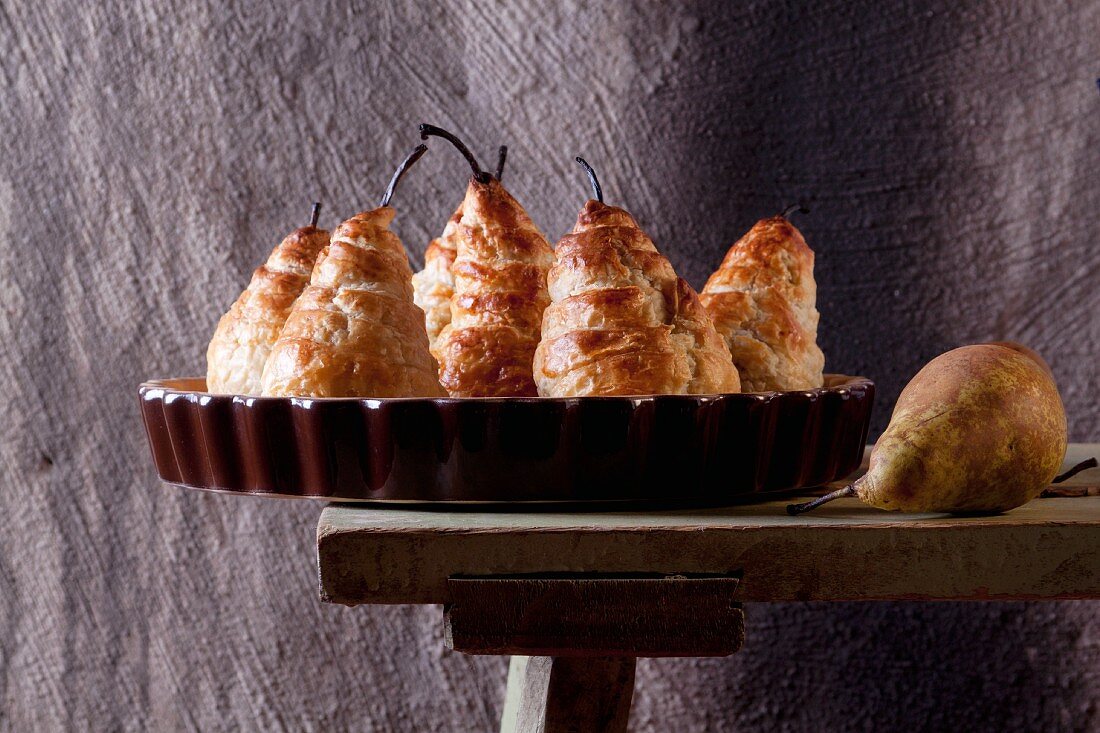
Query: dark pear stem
315	214
425	130
796	509
1082	466
793	208
597	192
411	158
502	155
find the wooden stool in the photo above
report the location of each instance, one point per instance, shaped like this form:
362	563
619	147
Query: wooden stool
577	597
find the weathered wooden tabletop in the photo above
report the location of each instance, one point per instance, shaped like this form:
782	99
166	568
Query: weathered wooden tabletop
1049	548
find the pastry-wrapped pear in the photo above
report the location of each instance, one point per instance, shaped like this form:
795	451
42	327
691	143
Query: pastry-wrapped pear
434	285
620	321
245	334
763	301
499	292
355	331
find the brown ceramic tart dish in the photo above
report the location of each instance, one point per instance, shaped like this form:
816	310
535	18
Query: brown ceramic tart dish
687	448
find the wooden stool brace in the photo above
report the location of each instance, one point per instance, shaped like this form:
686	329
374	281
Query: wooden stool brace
575	638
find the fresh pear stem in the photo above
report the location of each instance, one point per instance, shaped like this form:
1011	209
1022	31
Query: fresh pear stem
793	208
1082	466
411	158
597	192
796	509
502	155
426	130
315	214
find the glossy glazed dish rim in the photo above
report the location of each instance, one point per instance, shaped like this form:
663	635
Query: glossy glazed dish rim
843	382
159	395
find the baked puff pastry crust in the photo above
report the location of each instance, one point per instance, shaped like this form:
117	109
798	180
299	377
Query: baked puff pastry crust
500	268
763	302
245	335
621	322
355	331
435	284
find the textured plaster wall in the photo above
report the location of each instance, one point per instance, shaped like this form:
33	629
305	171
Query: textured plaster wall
151	153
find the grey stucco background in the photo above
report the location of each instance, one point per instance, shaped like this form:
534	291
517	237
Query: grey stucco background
151	154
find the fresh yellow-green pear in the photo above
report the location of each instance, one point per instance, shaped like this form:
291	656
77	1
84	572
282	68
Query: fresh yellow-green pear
980	429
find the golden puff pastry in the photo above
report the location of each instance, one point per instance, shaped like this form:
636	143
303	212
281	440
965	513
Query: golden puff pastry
500	270
245	334
500	293
434	285
762	300
355	331
620	321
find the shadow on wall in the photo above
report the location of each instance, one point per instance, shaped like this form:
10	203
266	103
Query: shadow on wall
852	666
823	107
828	107
908	135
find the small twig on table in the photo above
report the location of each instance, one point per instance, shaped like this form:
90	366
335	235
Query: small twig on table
1082	466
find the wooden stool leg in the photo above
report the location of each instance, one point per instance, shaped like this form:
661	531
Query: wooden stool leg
560	694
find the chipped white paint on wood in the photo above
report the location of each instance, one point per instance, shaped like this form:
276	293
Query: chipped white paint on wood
562	695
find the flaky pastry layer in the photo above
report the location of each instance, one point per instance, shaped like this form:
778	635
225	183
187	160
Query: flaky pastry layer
763	301
500	266
355	331
247	332
621	322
